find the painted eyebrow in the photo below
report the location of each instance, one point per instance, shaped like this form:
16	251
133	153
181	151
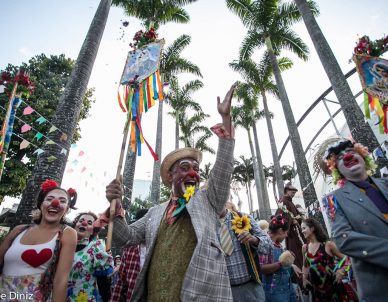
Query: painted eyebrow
52	196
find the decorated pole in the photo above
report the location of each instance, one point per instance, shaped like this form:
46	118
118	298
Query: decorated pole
118	174
5	128
22	87
140	87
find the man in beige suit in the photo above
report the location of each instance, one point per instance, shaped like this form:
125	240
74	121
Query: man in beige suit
184	260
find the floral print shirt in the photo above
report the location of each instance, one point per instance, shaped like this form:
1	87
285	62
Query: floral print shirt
90	262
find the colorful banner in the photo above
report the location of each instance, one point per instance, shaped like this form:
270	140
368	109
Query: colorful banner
140	87
373	72
142	62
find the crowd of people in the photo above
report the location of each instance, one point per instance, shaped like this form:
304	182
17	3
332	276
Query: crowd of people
199	247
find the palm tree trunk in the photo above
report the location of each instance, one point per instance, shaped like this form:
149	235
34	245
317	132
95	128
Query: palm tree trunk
155	185
308	190
263	187
177	130
66	116
359	130
256	174
249	194
276	163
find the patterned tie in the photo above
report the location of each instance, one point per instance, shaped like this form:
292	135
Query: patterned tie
226	240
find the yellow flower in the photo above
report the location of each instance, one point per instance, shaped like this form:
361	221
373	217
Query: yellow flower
190	190
241	224
82	297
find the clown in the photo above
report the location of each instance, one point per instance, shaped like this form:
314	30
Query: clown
359	212
184	259
37	258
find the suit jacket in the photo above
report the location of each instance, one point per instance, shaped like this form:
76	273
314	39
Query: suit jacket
361	232
206	277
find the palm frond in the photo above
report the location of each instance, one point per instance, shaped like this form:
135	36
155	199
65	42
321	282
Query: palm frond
251	41
243	9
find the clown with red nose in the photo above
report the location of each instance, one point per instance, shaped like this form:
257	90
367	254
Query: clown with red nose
359	214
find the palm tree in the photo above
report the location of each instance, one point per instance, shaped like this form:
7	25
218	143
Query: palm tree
205	172
361	131
180	100
259	78
243	173
268	23
194	133
243	117
288	173
66	115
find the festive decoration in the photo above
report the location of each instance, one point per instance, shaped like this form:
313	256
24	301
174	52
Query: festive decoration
330	205
140	87
241	224
190	190
6	131
48	185
373	72
371	48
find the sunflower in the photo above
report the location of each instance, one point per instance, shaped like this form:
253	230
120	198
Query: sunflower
241	224
190	190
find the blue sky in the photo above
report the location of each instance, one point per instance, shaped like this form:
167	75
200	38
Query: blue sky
55	27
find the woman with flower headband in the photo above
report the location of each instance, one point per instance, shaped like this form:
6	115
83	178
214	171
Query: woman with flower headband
37	258
88	279
277	267
320	274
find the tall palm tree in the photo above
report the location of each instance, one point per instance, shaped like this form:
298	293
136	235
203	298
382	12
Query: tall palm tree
66	115
288	173
243	173
194	133
360	130
259	78
180	100
243	117
268	23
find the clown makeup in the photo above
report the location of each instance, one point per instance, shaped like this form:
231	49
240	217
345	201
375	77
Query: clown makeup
351	165
184	174
55	205
84	226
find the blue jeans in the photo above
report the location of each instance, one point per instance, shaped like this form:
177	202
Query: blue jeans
251	291
278	287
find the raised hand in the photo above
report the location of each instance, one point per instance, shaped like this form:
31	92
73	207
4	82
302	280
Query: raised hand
224	106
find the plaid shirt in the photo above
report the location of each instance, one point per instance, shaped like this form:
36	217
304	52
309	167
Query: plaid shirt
129	269
236	264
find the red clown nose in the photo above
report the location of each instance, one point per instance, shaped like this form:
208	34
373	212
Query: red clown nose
192	173
55	203
84	223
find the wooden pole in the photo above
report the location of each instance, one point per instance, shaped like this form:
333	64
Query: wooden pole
118	174
4	129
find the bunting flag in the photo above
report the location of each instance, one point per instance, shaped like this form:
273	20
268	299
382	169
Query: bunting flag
51	158
52	129
38	136
24	144
40	120
373	72
38	151
25	128
140	87
28	110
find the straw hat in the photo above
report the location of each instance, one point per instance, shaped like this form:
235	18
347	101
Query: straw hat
174	156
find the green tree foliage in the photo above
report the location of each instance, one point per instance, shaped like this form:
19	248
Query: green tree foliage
49	75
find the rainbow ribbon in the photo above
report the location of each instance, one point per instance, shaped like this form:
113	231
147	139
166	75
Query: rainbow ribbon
135	99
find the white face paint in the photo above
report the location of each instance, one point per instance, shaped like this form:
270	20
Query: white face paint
184	174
